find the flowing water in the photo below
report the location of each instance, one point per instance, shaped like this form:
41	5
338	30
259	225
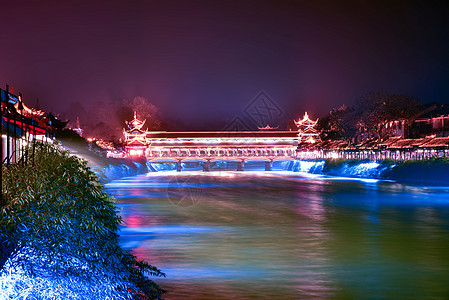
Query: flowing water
287	235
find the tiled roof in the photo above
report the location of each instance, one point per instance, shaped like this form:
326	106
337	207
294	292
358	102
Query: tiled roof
221	134
407	143
440	110
390	141
436	142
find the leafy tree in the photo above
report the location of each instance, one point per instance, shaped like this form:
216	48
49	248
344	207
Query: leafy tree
341	123
145	111
57	221
376	110
106	120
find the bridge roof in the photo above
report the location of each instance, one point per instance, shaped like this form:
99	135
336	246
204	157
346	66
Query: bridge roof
221	134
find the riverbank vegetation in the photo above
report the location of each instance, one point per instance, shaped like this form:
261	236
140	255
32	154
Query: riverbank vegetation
58	235
369	117
106	168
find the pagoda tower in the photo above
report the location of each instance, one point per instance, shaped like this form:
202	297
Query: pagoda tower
135	137
306	130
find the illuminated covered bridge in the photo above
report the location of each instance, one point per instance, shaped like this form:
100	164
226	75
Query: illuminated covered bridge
206	147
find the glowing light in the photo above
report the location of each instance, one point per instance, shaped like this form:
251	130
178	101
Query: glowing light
268	127
333	155
136	152
306	121
135	136
365	180
306	129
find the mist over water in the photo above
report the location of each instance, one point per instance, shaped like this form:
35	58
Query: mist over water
287	235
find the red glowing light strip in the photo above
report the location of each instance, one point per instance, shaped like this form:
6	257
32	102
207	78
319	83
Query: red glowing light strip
29	127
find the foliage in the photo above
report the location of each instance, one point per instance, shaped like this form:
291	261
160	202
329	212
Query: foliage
145	111
56	221
369	117
71	135
341	123
376	110
106	120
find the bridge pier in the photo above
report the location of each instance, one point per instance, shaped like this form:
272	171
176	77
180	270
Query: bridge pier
179	166
206	166
241	165
268	165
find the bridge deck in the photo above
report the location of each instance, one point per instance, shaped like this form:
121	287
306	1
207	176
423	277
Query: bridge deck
221	134
218	158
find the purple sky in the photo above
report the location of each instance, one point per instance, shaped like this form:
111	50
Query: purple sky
204	61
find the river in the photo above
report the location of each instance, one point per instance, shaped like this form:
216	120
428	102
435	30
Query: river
287	235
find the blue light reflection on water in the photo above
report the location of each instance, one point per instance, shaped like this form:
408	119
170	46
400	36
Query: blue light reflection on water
171	229
288	235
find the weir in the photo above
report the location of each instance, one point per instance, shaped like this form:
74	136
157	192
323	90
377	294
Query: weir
206	164
348	169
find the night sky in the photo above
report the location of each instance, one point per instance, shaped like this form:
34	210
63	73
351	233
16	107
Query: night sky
203	62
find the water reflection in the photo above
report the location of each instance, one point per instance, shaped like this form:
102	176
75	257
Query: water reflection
282	235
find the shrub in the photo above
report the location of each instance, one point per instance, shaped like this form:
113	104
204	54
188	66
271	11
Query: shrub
56	221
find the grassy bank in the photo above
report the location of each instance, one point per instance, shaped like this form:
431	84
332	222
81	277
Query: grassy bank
58	235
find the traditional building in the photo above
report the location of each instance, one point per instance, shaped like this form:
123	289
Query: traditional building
431	121
268	127
135	137
307	132
21	124
434	122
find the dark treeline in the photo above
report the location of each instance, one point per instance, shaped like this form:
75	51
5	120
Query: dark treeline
106	120
369	117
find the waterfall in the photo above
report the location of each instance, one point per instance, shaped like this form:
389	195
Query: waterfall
312	167
364	170
360	169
